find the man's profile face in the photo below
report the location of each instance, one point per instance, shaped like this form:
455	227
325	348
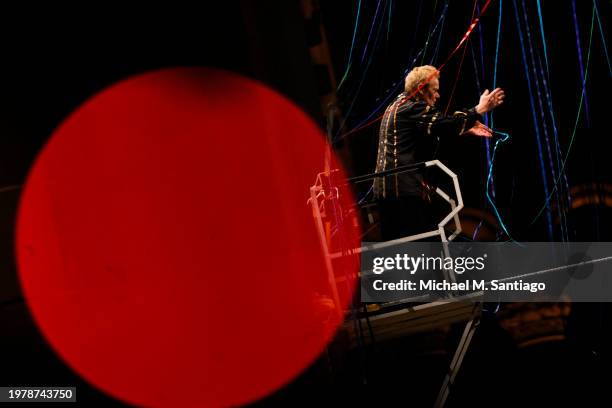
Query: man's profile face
430	92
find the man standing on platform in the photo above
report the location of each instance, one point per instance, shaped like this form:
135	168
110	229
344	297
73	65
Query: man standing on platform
410	132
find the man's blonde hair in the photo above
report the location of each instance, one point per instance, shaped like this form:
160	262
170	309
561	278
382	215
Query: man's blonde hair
419	75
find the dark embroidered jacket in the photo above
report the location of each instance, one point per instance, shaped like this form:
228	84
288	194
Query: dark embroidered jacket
410	133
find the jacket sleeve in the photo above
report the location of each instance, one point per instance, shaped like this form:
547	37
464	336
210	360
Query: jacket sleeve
433	122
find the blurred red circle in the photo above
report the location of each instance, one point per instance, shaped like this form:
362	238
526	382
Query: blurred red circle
164	243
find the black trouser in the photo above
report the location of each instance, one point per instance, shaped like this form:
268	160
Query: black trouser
409	215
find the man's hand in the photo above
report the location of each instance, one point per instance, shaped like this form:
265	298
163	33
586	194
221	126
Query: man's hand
490	100
479	130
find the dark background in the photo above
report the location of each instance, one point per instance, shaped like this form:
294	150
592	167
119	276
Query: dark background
54	58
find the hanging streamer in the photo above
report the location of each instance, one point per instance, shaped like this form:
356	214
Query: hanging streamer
465	37
350	59
579	50
535	121
505	137
363	75
391	92
571	142
535	63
